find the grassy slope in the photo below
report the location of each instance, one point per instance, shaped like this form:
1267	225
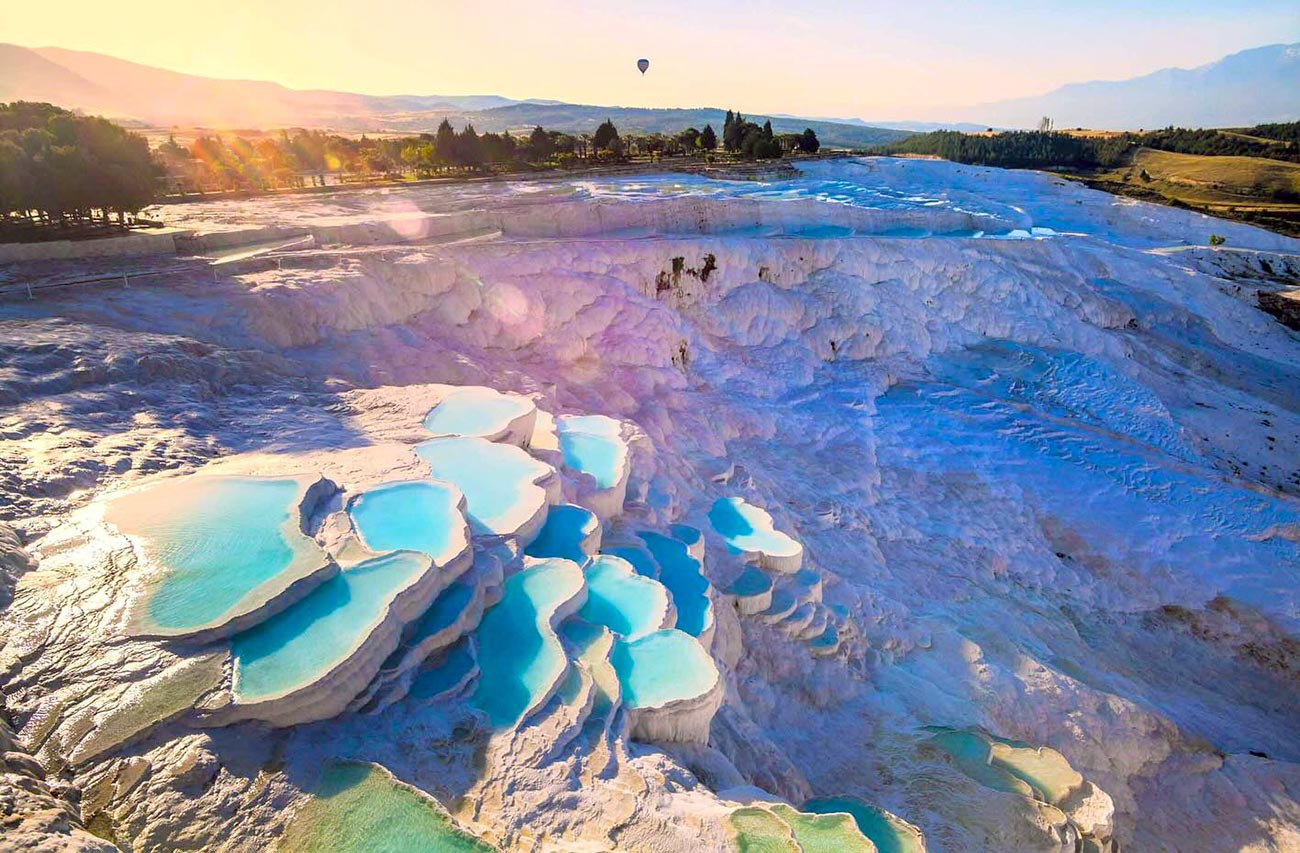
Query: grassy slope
1201	180
1235	187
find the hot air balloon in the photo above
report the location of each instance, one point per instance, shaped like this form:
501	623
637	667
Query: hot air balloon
643	64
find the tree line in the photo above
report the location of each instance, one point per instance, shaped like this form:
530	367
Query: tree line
62	169
1046	148
58	168
1017	149
222	162
749	140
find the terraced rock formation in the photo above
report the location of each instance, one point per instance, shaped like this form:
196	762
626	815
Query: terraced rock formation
1025	456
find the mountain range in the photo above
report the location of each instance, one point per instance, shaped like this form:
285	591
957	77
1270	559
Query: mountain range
1252	86
1243	89
95	83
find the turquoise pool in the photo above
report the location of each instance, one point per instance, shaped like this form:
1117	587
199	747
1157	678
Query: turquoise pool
622	600
665	666
566	528
295	648
476	411
498	480
888	833
519	655
972	753
593	444
748	529
218	539
681	574
420	515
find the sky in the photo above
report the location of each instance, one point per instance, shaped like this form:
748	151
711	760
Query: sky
873	60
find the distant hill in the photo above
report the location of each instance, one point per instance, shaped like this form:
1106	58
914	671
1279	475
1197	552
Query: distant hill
585	118
1246	88
911	126
155	96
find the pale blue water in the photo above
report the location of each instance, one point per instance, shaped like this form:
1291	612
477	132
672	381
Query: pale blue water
826	638
493	478
622	600
591	444
888	836
475	412
519	656
294	648
421	515
742	526
662	667
680	573
563	533
455	666
691	536
218	548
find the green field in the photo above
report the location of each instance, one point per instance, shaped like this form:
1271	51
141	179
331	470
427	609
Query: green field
1255	189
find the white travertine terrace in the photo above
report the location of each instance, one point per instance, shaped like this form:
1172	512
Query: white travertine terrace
674	714
485	413
326	694
749	531
516	507
1044	475
593	447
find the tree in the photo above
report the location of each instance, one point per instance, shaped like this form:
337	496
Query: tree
467	149
1045	125
541	145
444	143
733	134
59	167
808	142
708	139
606	138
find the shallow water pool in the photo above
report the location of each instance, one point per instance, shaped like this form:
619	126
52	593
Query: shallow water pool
519	655
218	539
295	648
475	411
888	833
420	515
592	444
360	808
567	527
622	600
681	574
665	666
498	480
747	528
